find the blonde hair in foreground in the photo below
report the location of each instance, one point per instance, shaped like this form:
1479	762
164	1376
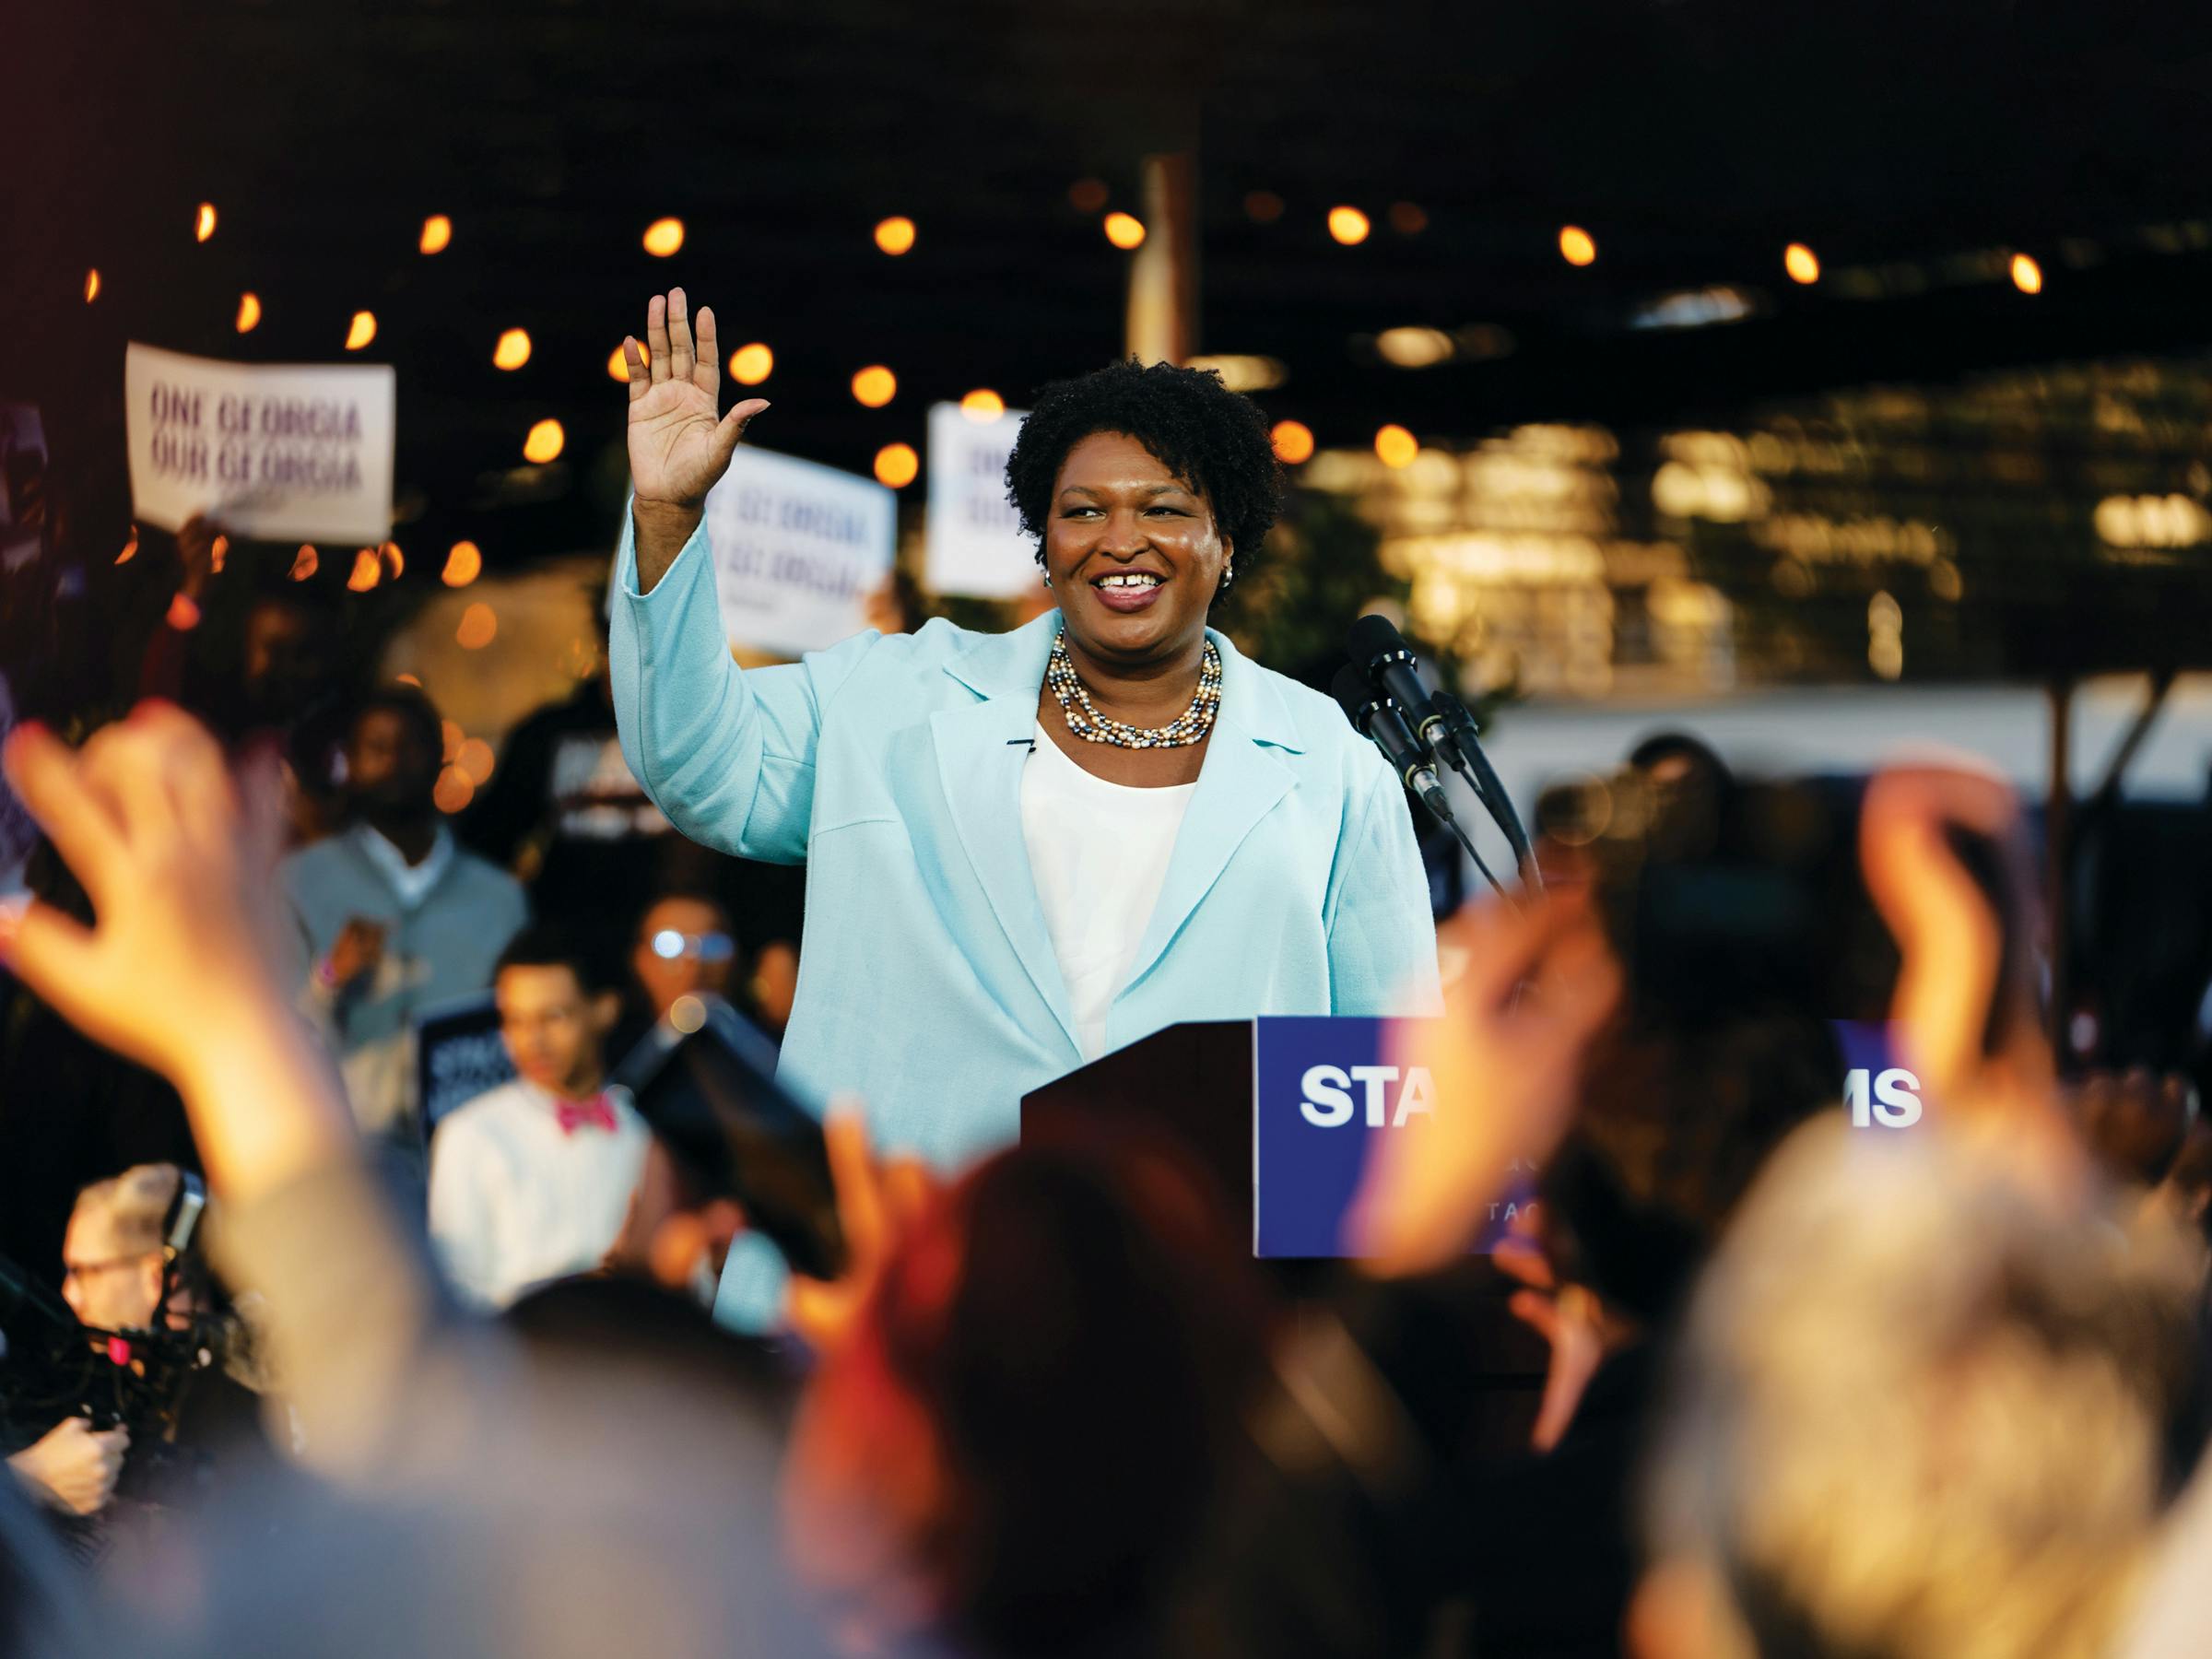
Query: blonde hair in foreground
1920	1413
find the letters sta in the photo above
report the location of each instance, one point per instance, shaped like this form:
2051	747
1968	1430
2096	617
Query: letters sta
1328	1100
1888	1098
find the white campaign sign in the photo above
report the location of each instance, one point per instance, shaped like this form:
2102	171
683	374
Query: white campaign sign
976	546
798	549
273	452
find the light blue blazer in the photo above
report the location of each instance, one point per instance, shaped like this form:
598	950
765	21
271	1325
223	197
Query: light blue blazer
892	767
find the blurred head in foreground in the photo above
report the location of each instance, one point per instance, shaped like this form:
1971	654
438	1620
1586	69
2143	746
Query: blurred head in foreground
114	1255
1015	1444
1919	1413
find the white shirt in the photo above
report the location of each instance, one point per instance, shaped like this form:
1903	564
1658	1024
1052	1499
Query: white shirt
1099	853
410	883
516	1201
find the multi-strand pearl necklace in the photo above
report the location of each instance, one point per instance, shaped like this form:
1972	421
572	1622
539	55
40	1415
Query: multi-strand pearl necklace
1085	721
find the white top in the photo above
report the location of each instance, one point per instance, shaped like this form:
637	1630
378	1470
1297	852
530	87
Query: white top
515	1200
410	883
1098	853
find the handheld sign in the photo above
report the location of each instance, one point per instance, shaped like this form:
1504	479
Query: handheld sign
459	1054
274	453
975	544
798	548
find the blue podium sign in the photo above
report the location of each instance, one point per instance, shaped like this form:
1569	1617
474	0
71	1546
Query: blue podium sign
1325	1093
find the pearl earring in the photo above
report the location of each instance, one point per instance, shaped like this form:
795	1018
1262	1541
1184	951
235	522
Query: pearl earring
1048	579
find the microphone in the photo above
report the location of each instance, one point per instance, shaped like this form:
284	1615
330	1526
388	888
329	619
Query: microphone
1380	652
1377	718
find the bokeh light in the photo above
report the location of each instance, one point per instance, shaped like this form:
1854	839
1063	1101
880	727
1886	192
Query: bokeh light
91	285
875	386
480	626
248	312
463	564
206	227
361	331
2027	275
183	614
895	235
453	791
1577	246
393	560
1262	207
367	572
475	759
436	233
544	442
664	237
130	548
983	404
1801	263
617	366
1396	446
306	562
749	365
1293	441
1087	196
1408	219
1124	232
513	349
897	466
1348	225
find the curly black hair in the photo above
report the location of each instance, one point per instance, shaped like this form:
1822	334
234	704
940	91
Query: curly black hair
1211	438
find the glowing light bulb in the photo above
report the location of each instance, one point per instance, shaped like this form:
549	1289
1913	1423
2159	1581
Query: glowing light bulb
897	466
513	349
2027	275
1577	246
1348	225
895	235
875	386
436	233
361	331
1293	441
248	312
664	237
1801	263
206	227
1124	232
544	442
91	285
749	365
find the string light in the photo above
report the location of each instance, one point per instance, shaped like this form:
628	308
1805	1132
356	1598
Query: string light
463	564
1396	446
1577	246
248	312
875	386
436	233
895	235
480	626
513	349
1124	232
982	406
1801	263
544	442
2027	275
1293	441
1348	226
749	365
897	466
664	237
361	332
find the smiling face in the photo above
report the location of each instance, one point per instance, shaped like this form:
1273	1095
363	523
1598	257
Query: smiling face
1134	554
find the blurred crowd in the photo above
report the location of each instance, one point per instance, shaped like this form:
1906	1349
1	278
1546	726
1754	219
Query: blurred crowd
310	1349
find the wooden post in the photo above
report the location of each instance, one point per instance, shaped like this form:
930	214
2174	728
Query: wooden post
1161	321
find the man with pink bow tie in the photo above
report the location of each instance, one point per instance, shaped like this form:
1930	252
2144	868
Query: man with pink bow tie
530	1181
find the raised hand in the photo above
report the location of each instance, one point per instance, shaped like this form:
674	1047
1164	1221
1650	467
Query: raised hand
677	446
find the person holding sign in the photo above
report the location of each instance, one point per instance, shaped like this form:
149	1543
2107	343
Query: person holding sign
1027	848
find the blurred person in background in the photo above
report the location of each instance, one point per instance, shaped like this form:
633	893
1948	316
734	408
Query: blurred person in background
477	1495
396	916
1922	1413
1028	1387
531	1181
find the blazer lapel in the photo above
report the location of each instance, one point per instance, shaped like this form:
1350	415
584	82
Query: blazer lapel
981	751
1241	780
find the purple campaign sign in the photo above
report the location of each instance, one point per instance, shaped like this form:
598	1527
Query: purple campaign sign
1326	1091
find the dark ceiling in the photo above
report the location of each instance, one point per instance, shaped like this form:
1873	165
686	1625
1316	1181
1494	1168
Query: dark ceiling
1693	139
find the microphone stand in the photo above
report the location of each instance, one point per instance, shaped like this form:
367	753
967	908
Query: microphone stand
1465	754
